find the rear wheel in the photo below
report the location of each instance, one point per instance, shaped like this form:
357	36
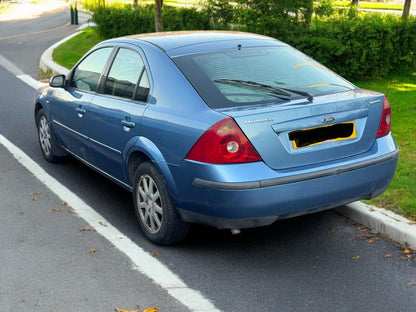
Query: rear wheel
154	209
51	150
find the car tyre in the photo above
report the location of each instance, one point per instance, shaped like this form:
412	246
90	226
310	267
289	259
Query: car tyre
154	208
51	150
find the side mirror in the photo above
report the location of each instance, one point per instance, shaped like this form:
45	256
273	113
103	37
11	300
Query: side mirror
57	81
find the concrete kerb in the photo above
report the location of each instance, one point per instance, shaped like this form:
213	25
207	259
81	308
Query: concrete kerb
382	221
379	220
46	62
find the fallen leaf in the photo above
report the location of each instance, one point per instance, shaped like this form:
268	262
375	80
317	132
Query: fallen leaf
407	251
410	284
11	210
102	223
412	223
93	250
85	229
71	211
34	199
64	203
55	210
151	310
155	254
370	241
332	231
355	257
34	193
124	310
387	256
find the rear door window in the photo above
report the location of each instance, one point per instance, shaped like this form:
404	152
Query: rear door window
127	77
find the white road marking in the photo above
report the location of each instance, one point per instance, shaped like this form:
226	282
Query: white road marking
30	81
142	261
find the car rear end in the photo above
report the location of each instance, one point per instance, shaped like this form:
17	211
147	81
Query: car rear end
295	137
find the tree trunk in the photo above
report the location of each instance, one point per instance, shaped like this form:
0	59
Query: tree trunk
354	3
158	15
406	9
135	3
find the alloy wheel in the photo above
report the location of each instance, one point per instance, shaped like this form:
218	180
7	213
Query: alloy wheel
45	135
150	204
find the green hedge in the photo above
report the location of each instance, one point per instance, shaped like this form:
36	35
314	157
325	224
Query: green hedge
116	21
353	45
371	45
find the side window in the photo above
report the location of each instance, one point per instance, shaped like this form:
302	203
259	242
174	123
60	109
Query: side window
142	91
88	72
124	74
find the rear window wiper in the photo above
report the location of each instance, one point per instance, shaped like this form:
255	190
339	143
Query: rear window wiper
275	90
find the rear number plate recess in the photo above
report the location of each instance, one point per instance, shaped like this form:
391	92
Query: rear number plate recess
314	136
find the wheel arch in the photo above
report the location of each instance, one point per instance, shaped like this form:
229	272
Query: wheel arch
146	150
38	107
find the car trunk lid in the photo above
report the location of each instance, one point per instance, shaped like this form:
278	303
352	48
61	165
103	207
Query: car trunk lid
303	133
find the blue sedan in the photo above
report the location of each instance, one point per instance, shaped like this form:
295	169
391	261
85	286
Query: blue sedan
232	130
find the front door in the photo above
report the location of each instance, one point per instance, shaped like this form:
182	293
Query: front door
69	111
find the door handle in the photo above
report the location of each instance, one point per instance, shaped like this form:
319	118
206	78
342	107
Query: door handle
128	124
81	111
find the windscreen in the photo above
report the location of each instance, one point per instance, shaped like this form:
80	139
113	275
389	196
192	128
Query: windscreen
258	75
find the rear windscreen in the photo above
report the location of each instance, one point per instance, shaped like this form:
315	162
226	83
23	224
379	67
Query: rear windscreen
258	75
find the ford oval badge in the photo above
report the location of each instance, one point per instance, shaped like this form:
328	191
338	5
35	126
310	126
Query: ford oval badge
328	119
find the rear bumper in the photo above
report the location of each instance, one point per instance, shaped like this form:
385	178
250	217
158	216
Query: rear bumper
234	196
295	178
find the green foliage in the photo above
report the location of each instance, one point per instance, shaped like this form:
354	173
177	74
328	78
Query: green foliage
370	45
271	15
324	8
175	18
219	12
120	20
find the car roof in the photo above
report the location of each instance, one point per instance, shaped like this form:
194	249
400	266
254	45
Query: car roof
188	42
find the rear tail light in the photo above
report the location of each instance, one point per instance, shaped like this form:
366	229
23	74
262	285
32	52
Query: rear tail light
223	143
385	121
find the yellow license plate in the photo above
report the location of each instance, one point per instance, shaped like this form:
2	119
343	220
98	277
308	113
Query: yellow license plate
319	135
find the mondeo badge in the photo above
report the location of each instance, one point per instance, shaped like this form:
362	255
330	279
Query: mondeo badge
328	119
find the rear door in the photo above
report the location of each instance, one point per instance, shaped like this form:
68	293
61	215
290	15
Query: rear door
114	116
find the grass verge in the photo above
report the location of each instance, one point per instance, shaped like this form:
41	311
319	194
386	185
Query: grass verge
68	53
369	5
400	197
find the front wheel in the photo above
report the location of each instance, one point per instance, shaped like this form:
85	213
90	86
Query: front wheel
51	150
154	209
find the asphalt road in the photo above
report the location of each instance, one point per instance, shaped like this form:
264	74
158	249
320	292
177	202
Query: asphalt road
321	262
